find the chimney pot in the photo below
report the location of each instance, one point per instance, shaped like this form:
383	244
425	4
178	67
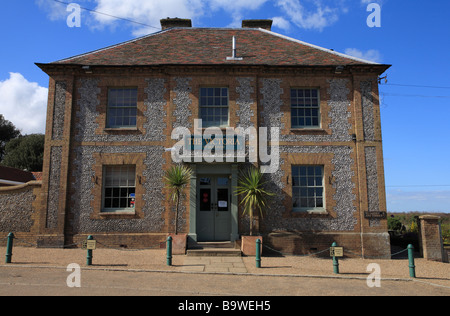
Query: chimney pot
175	22
264	24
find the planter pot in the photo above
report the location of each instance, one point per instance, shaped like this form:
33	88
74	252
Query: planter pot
248	245
179	243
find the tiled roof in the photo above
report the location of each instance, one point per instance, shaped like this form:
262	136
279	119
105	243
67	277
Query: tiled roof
212	46
16	175
38	176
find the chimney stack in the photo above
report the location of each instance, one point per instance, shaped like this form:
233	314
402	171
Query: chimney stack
175	22
254	24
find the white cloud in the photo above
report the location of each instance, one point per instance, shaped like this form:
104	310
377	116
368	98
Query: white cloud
23	103
315	16
306	14
55	10
149	12
369	55
233	5
281	23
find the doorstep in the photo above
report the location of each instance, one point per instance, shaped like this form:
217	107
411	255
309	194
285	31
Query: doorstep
213	249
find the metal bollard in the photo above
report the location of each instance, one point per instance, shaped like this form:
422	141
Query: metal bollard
9	248
169	251
335	261
89	254
412	267
258	253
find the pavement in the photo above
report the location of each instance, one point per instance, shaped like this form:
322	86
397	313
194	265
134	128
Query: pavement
433	277
213	265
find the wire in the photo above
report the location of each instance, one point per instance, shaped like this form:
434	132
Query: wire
414	95
417	186
415	86
112	16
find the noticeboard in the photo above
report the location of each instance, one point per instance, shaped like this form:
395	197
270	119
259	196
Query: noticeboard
89	244
336	251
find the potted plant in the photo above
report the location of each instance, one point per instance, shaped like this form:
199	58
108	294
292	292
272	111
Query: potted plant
254	199
176	179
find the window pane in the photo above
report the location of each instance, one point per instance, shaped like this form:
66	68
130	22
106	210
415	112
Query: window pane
122	107
119	184
307	187
214	106
305	108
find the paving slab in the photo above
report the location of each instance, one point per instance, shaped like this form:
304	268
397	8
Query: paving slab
213	265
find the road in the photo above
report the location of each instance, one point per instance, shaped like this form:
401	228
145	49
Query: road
26	281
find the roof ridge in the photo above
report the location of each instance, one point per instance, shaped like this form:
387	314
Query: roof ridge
319	47
111	46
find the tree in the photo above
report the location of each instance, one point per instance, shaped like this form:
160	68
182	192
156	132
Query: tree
7	132
25	152
395	224
177	178
251	187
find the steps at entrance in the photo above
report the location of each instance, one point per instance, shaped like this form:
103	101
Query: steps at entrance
213	249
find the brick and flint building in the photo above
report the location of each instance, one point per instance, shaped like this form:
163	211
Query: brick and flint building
111	114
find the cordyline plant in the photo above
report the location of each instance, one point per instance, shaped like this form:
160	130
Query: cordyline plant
251	187
176	179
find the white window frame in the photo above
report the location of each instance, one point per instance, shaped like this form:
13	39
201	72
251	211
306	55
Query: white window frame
297	185
127	180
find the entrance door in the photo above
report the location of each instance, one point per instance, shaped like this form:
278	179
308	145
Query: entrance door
213	208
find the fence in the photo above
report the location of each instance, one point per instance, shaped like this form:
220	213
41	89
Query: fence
90	245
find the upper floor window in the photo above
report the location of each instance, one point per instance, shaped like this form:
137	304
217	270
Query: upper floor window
307	188
305	108
122	107
214	107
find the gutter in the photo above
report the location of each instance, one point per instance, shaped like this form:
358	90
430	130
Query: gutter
8	182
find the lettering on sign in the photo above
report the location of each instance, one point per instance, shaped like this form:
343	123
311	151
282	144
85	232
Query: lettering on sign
336	251
89	244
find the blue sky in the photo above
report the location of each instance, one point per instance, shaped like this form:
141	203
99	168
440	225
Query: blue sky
413	37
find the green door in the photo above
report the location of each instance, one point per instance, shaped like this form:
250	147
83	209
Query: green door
213	208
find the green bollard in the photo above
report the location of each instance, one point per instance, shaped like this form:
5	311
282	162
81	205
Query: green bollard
169	251
89	253
412	267
335	261
9	248
258	253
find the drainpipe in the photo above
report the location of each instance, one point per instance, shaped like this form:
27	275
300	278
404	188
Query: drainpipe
361	212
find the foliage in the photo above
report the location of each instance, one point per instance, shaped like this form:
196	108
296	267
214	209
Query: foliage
409	220
394	224
414	228
7	132
251	187
25	152
176	179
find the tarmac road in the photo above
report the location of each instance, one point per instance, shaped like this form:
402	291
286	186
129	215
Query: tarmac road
47	281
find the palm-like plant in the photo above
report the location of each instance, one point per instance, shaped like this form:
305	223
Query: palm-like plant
177	178
251	187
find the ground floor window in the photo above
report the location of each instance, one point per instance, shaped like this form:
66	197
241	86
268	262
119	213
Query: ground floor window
307	188
119	188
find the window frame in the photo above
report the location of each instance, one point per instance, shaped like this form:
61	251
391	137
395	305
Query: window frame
308	187
305	108
122	107
213	107
115	210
